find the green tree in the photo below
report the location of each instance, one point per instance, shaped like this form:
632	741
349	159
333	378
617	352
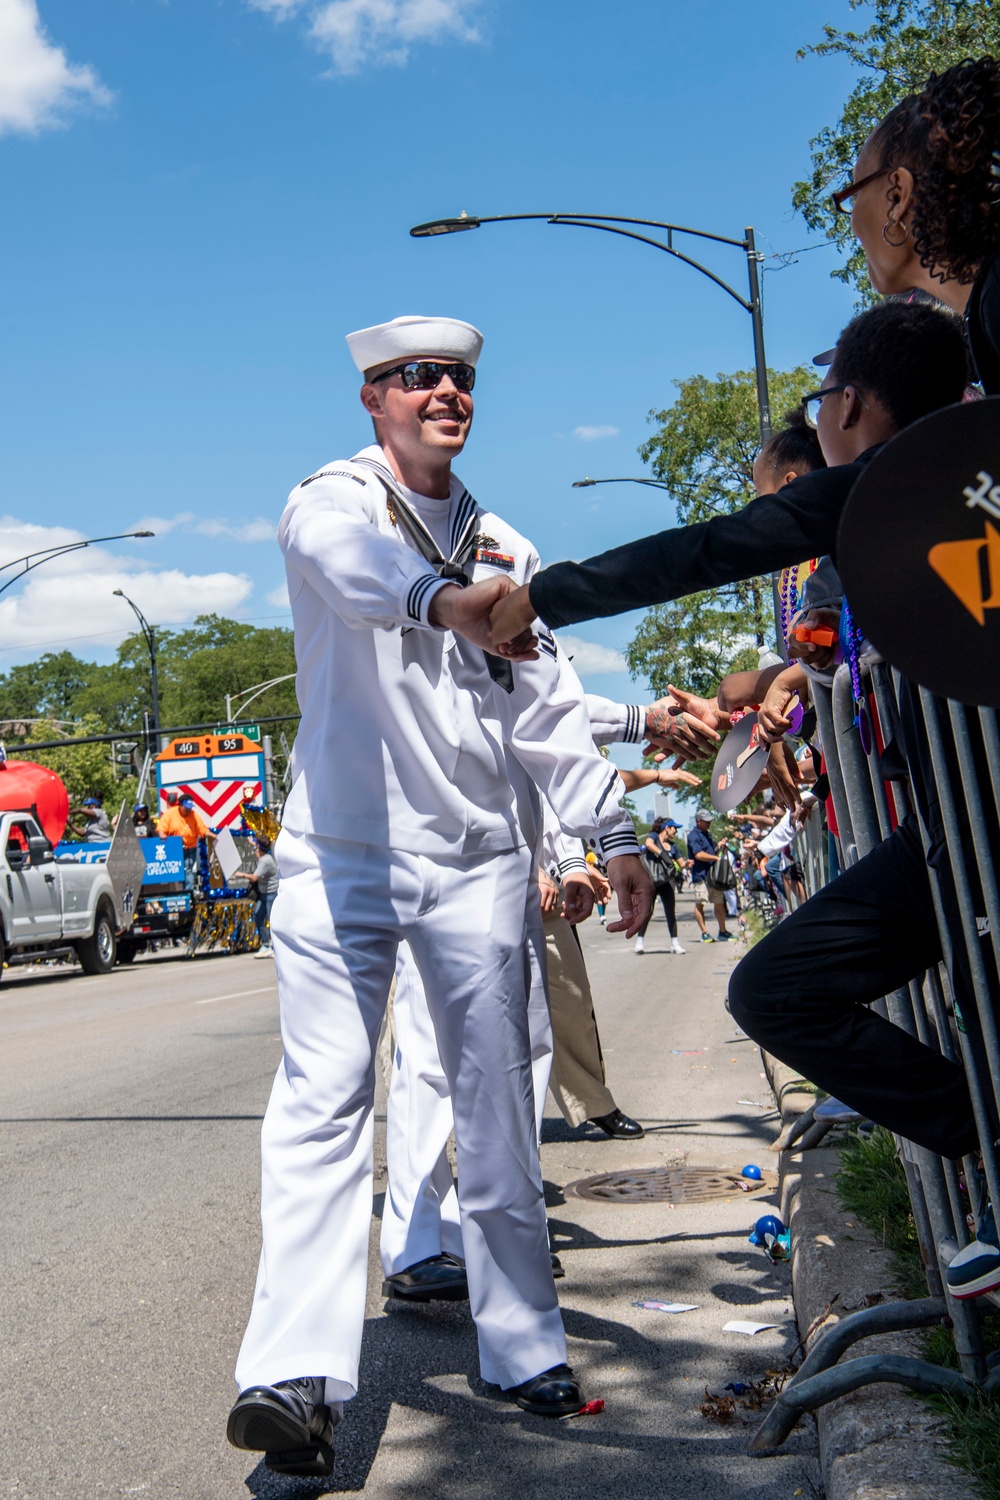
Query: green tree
704	448
905	42
48	688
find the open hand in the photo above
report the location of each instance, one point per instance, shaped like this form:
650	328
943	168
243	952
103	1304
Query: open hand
548	894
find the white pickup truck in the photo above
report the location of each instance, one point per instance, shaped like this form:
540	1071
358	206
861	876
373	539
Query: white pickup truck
54	907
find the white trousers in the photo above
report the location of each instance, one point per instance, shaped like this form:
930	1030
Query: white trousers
341	912
421	1213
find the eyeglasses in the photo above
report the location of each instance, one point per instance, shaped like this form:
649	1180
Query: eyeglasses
811	404
427	375
841	196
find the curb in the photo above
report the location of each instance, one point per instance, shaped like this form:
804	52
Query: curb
878	1443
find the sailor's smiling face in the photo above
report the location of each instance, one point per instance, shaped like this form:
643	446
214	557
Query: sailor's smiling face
418	422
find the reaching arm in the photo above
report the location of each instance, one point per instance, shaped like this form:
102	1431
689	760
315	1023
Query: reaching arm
771	532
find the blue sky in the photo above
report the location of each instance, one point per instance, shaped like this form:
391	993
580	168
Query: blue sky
202	196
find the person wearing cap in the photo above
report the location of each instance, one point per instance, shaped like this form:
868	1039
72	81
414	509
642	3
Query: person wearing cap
703	851
424	833
143	824
96	829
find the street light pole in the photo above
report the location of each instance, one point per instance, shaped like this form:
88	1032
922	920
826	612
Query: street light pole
150	636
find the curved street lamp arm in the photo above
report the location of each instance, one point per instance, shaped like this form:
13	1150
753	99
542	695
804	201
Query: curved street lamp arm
261	687
472	221
656	484
668	249
35	559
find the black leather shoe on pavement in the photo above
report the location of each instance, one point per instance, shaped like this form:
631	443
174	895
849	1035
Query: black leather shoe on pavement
439	1278
619	1127
553	1393
289	1423
557	1266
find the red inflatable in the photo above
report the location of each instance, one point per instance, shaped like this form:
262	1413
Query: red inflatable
24	785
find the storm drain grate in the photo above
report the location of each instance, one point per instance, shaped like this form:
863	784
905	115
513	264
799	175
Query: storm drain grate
666	1185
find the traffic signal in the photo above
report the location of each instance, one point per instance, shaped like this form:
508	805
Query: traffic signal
126	759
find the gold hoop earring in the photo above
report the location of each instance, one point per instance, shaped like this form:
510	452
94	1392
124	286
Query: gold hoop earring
895	244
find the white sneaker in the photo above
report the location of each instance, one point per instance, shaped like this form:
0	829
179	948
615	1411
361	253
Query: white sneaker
675	946
264	952
640	946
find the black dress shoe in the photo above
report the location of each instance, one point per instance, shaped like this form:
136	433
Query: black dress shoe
290	1423
557	1266
439	1278
553	1393
619	1126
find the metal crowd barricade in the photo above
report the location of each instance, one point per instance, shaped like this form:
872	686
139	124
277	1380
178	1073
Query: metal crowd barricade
867	809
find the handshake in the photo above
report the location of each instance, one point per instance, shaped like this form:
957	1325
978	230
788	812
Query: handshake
495	614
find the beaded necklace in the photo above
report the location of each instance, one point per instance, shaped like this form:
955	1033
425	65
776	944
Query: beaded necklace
851	639
790	595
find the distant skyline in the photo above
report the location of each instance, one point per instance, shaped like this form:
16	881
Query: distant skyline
201	200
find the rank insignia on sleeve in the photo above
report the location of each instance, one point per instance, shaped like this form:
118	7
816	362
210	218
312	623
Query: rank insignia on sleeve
492	559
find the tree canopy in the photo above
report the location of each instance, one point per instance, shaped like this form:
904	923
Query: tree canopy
904	43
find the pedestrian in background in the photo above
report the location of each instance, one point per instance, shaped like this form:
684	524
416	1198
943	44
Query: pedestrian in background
703	852
660	861
264	881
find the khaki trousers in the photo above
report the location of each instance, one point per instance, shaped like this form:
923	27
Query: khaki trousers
577	1079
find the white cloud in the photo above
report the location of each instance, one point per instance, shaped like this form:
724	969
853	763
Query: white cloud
382	32
38	84
279	597
589	658
594	434
71	598
257	530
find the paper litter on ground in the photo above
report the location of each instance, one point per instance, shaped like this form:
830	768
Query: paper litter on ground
738	1325
668	1307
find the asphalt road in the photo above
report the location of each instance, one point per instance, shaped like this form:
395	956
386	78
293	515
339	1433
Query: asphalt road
130	1110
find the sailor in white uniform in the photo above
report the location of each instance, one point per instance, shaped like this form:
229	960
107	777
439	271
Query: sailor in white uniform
415	767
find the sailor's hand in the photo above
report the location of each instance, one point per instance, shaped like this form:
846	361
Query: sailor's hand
511	621
548	894
578	896
634	890
467	612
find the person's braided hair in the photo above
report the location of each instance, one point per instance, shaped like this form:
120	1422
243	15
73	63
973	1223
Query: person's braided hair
948	136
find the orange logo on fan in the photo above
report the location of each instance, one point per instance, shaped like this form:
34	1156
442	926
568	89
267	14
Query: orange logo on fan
960	565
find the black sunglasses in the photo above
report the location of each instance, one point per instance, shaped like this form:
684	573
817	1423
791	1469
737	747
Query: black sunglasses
841	196
810	404
427	375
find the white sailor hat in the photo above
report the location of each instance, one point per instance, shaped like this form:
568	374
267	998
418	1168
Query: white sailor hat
410	338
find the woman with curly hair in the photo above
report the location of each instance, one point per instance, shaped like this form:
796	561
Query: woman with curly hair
925	201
